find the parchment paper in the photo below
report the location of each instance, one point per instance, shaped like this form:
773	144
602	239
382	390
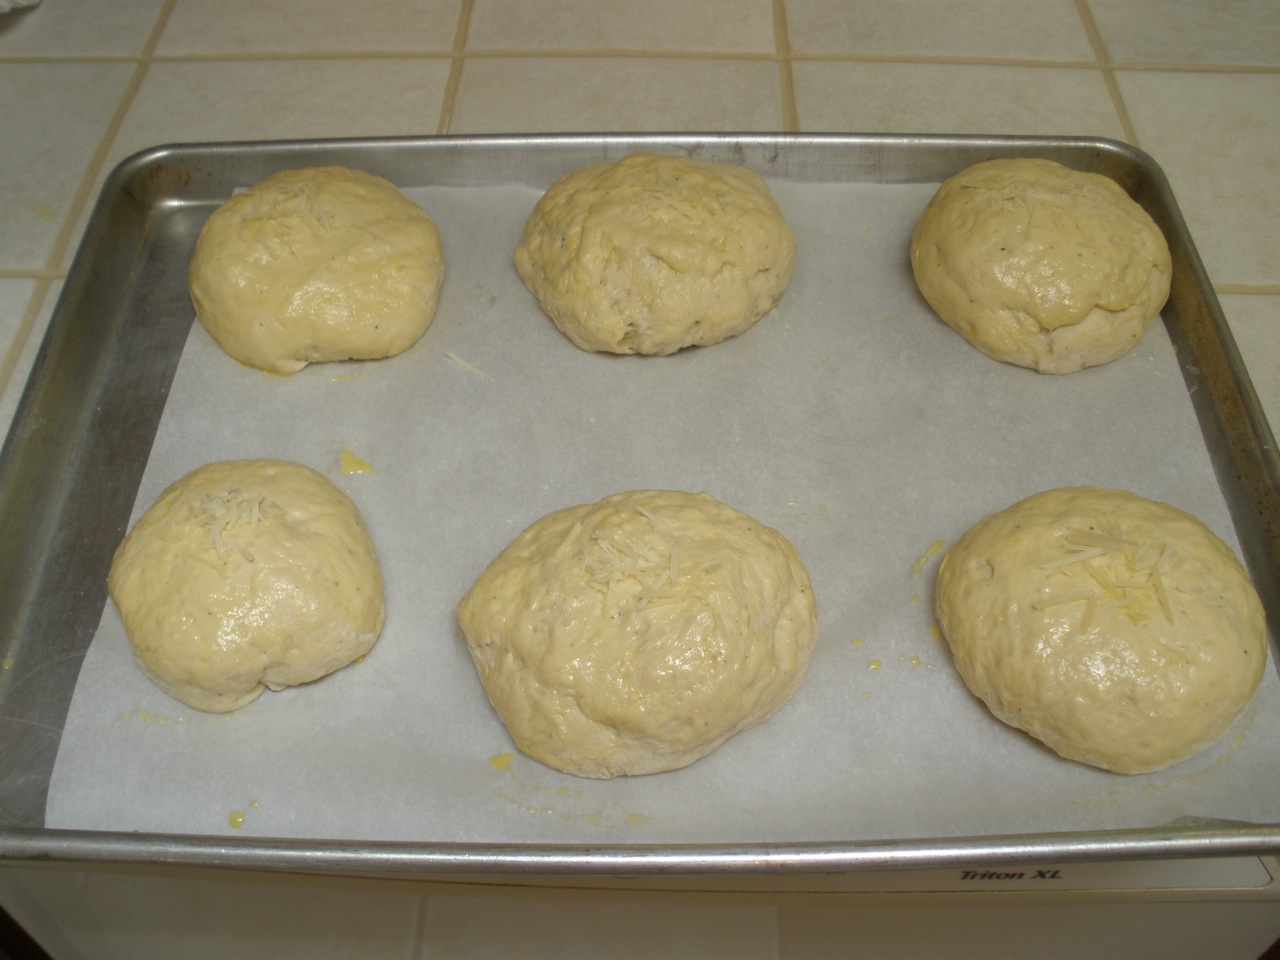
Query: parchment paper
850	418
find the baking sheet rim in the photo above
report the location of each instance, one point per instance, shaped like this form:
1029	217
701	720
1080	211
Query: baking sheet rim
1202	838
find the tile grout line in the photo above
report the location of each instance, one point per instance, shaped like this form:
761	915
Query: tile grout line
421	919
31	273
657	54
782	45
457	60
1107	69
80	199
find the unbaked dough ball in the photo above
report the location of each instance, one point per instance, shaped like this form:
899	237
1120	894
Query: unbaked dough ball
245	575
1118	630
636	634
654	253
317	264
1039	265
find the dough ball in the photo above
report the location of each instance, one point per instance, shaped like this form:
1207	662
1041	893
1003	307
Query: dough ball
1117	630
247	574
317	264
1039	265
651	254
636	634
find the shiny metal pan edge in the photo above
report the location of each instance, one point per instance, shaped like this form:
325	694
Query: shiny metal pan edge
80	439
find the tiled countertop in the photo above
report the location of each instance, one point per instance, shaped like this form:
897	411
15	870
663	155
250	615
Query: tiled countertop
87	82
84	83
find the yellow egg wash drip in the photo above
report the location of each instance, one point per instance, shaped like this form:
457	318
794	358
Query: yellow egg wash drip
796	512
931	551
350	463
874	665
146	716
235	819
565	803
6	663
500	761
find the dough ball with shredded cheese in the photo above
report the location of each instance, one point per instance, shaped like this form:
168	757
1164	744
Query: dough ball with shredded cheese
1039	265
636	634
654	253
1119	631
246	575
316	264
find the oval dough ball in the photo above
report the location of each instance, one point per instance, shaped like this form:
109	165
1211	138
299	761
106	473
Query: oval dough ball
1039	265
245	575
317	264
651	254
636	634
1118	630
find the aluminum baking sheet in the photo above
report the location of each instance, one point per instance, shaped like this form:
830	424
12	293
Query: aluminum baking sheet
850	419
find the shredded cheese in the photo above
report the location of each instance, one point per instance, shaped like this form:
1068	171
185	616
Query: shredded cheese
1130	574
625	565
217	518
471	369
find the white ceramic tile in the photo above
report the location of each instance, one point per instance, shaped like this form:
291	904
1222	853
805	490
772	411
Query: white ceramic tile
15	361
568	926
52	119
15	294
588	94
136	914
1217	136
269	99
964	928
79	27
1022	29
276	99
1255	324
19	355
250	26
947	98
1157	31
716	26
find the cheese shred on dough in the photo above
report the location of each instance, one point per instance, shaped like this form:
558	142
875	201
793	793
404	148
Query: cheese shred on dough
1119	631
636	634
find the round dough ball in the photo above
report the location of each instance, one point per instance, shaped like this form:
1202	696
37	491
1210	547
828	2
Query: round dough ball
1118	630
636	634
651	254
247	574
317	264
1039	265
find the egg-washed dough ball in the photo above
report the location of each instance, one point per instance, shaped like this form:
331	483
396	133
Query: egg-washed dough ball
316	264
245	575
654	253
1119	631
636	634
1039	265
